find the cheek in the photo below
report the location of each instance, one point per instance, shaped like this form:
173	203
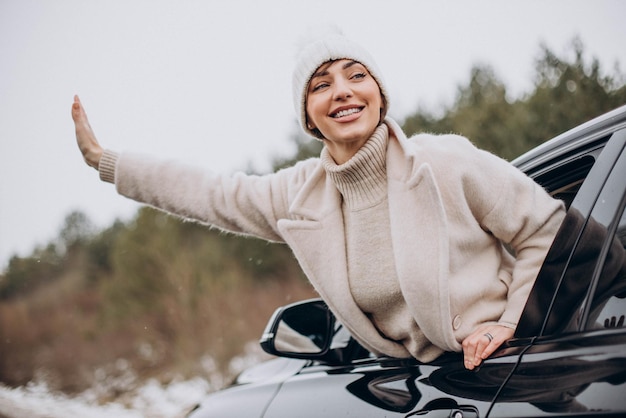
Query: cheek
378	96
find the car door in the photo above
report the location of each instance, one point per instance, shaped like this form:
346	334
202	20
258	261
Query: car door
391	388
576	361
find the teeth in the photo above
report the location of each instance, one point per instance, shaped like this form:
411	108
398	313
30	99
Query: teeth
347	112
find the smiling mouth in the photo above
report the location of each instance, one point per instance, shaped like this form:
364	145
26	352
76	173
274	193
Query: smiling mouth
346	112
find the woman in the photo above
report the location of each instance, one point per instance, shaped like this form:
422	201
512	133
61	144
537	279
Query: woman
403	238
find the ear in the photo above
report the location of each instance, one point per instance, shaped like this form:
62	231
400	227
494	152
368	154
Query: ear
309	124
383	107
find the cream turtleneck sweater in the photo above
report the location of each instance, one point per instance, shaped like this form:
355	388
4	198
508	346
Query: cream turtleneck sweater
362	182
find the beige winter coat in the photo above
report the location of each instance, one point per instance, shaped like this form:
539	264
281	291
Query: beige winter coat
449	205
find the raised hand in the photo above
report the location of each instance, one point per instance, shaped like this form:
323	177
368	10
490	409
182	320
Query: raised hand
86	139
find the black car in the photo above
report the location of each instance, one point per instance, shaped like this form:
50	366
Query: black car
568	355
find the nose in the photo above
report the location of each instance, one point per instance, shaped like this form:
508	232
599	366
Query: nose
341	90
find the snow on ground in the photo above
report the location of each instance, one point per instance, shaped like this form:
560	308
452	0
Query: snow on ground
150	399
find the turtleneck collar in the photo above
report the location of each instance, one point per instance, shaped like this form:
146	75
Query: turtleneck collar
362	180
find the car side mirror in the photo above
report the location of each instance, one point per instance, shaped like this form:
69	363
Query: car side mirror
301	330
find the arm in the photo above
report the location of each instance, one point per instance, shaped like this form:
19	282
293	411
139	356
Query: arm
239	203
242	204
519	213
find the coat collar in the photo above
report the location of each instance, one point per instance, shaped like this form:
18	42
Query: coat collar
319	194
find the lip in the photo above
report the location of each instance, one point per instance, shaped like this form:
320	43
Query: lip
349	117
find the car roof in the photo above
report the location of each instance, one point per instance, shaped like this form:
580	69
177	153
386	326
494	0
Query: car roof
582	136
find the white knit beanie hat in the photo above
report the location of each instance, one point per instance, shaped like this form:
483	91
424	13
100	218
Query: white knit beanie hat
328	46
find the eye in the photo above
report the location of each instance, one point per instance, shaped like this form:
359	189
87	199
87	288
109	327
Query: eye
358	76
319	86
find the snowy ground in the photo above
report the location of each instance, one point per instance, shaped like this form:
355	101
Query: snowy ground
149	399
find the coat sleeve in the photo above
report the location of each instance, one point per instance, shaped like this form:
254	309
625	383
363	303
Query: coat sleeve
239	203
520	213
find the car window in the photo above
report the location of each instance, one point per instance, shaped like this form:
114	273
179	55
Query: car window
564	181
558	301
591	289
608	306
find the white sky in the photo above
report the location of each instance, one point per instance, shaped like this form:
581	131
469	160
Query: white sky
209	82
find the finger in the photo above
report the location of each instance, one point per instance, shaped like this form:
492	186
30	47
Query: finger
76	107
488	350
500	335
468	363
80	119
482	348
469	348
79	115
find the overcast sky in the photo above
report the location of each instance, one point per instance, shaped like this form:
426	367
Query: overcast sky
209	82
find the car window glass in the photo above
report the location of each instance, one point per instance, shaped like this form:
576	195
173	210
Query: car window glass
609	303
595	270
558	300
564	181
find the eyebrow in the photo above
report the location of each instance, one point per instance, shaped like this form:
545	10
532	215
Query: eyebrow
324	72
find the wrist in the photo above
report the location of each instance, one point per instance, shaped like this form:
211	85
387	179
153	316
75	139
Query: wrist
92	158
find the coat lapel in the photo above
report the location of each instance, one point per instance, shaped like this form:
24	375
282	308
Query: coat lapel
422	256
317	238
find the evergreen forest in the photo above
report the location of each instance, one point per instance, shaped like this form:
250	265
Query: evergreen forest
167	299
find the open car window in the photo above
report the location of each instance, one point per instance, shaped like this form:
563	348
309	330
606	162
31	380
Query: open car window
590	292
557	302
563	177
565	180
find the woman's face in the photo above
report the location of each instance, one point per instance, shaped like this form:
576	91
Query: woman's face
344	103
